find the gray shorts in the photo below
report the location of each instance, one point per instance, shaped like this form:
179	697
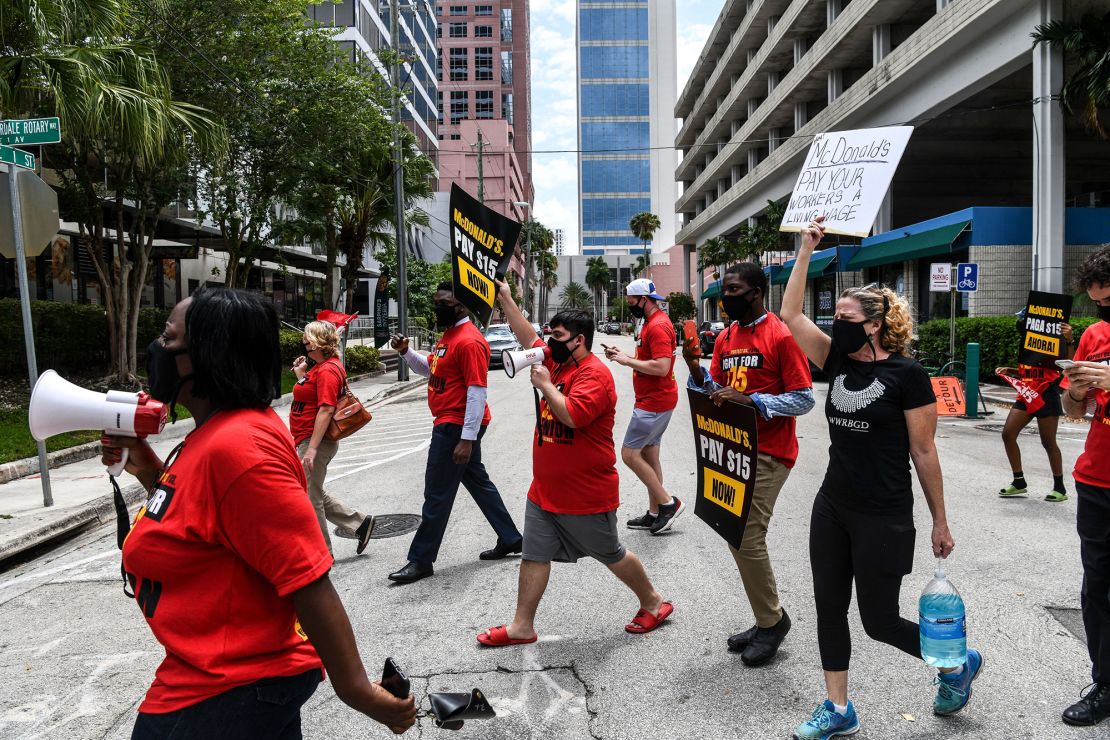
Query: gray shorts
646	428
564	538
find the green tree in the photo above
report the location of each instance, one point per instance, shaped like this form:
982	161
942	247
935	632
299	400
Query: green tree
643	262
680	306
423	277
548	279
715	252
574	295
1085	40
644	225
597	279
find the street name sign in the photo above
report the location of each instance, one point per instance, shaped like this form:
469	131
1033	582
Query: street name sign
26	131
18	157
967	277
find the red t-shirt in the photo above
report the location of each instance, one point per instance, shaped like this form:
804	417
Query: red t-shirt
215	554
321	387
1093	466
460	359
574	471
764	358
657	339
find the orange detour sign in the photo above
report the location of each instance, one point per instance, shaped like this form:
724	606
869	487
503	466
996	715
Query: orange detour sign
950	396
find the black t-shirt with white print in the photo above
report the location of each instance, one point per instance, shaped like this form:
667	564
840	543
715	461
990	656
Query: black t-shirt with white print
869	451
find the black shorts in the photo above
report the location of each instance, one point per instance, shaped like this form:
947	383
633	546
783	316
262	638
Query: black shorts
1052	404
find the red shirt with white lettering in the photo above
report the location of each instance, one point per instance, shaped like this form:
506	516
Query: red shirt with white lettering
1093	466
321	387
764	358
224	540
657	339
575	469
460	359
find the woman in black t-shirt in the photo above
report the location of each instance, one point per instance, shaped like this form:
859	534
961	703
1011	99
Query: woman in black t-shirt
882	414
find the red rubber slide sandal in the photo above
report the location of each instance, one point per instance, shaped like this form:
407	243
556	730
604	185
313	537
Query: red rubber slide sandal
499	637
645	621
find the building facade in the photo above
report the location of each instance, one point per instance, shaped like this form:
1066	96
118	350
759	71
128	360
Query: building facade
627	67
988	135
559	242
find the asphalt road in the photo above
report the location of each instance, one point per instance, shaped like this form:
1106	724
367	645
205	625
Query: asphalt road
76	657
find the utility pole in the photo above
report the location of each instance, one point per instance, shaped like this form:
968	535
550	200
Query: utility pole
481	164
398	187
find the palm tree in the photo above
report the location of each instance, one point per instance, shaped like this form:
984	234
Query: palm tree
642	263
575	296
1087	40
644	225
549	278
597	278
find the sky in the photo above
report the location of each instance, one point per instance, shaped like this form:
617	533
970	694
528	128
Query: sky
554	102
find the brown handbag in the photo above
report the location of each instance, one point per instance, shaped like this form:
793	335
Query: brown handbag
350	416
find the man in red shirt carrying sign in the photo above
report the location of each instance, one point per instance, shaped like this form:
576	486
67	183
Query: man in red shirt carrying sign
1088	391
756	362
656	396
572	502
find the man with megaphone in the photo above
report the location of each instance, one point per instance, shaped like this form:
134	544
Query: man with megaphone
457	370
572	502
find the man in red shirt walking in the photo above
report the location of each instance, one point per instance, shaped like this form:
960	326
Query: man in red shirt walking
573	499
656	396
1089	392
756	362
457	371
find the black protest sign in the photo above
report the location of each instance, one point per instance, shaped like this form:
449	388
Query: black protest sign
482	244
381	310
725	443
1042	337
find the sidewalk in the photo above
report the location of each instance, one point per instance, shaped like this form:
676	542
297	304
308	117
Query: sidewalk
83	493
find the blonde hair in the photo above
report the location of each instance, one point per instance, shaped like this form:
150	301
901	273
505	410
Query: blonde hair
880	303
323	336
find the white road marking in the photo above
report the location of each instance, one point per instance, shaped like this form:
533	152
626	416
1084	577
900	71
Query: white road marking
422	446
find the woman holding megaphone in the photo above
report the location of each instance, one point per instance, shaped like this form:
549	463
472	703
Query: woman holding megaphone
226	559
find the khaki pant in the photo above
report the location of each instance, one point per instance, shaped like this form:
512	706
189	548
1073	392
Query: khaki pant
328	509
752	559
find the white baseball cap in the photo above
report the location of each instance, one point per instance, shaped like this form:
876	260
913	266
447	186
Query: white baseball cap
643	286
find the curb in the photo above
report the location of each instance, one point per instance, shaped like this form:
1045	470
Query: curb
100	510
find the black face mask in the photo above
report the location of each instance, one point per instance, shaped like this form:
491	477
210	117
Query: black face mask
165	381
560	352
445	317
637	311
738	307
1104	313
849	336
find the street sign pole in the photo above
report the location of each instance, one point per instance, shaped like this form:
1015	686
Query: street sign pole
25	305
952	324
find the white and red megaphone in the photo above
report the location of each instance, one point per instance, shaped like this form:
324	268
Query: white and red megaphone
515	360
58	406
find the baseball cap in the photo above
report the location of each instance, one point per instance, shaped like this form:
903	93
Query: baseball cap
643	286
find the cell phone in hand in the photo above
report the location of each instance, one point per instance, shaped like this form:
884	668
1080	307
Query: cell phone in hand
394	679
1065	364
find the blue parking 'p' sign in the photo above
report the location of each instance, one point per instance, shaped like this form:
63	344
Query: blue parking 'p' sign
967	277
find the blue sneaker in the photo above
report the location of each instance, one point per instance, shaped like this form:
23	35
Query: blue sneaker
953	692
825	723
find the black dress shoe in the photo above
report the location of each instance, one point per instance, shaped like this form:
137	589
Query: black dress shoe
741	640
500	550
765	643
1092	708
411	573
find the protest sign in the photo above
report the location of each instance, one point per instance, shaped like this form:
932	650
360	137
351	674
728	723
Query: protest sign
845	178
725	442
1042	339
950	396
381	310
482	244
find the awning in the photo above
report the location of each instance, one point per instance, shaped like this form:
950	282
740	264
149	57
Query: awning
910	247
818	264
712	291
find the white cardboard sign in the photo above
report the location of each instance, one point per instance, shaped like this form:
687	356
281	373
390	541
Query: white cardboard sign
845	177
940	277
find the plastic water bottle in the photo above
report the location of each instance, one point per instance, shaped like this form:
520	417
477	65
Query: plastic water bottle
942	623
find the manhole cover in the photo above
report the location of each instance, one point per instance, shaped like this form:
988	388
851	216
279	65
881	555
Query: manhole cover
1031	429
1072	619
385	525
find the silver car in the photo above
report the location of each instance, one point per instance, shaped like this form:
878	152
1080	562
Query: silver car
500	338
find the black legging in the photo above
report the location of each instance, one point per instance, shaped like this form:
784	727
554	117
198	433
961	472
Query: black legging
876	550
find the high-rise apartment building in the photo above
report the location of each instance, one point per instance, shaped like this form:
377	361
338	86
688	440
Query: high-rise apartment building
626	95
558	242
366	29
484	101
